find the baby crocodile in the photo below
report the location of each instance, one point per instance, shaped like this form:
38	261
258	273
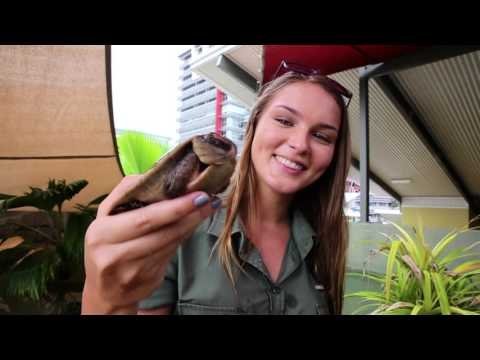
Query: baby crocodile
205	163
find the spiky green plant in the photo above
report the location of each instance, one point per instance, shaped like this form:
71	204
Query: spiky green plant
420	279
138	151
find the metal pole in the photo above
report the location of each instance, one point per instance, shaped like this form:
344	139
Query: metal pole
218	112
364	150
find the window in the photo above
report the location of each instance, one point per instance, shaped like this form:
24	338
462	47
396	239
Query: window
188	97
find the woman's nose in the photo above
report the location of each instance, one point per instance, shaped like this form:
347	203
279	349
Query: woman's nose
298	141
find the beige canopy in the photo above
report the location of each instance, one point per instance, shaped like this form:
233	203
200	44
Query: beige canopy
56	123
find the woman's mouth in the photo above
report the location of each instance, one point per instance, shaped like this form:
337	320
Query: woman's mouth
289	164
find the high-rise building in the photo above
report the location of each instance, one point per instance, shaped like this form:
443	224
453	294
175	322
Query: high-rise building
203	108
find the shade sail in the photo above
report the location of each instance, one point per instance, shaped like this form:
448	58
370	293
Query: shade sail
55	119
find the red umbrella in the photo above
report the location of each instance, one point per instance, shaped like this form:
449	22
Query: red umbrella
330	59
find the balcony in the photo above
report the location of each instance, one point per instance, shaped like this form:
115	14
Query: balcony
197	123
206	97
188	134
220	64
189	82
198	111
197	89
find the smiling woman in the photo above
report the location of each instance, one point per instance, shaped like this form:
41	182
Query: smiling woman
276	246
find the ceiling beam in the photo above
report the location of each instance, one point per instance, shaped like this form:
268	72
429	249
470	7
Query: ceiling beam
392	89
230	67
419	58
375	178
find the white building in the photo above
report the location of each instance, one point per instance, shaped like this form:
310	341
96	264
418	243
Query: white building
204	108
382	208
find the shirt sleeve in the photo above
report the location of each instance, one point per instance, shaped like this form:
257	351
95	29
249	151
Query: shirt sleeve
167	293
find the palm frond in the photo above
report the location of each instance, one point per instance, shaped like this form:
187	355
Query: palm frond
30	279
420	276
46	199
138	152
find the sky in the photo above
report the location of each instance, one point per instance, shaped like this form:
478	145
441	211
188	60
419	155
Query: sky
145	87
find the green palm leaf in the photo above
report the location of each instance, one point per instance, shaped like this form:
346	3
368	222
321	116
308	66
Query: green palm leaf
46	199
423	280
139	152
389	271
442	294
427	291
460	311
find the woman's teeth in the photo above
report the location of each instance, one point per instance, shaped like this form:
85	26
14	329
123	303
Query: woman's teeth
289	164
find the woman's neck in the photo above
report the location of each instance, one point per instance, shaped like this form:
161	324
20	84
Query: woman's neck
271	208
268	228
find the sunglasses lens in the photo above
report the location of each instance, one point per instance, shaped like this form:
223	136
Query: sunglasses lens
286	67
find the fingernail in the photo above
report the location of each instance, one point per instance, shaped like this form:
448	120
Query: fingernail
200	200
216	203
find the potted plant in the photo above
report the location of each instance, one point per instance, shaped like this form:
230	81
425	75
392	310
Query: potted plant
420	279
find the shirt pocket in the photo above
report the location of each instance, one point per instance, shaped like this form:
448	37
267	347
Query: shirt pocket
197	309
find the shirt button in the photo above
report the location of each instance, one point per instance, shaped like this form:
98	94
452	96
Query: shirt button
276	290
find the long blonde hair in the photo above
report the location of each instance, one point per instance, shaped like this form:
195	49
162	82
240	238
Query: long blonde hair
321	202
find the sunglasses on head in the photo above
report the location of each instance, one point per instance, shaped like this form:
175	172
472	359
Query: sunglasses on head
286	67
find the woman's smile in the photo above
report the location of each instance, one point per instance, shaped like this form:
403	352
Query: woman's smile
289	166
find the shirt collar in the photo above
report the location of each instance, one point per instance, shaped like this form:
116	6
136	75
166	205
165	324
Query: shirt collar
218	221
301	230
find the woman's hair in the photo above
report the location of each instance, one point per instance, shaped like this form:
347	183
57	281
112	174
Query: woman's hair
321	202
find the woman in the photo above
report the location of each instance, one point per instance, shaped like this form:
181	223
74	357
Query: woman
277	247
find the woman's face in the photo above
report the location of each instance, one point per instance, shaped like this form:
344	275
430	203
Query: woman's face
295	138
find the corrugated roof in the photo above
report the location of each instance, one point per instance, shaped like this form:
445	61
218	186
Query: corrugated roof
395	149
447	96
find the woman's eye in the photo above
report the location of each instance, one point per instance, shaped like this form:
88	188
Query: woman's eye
284	122
323	138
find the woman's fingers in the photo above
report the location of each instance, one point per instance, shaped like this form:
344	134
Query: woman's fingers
157	241
127	183
139	277
136	223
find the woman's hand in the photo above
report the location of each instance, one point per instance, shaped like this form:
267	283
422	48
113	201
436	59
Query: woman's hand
126	255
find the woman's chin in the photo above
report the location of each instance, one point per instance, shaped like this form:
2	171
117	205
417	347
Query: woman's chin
281	187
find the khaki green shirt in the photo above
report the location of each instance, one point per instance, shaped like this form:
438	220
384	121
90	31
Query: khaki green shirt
195	285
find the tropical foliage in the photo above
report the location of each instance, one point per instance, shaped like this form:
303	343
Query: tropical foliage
138	152
43	264
420	279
